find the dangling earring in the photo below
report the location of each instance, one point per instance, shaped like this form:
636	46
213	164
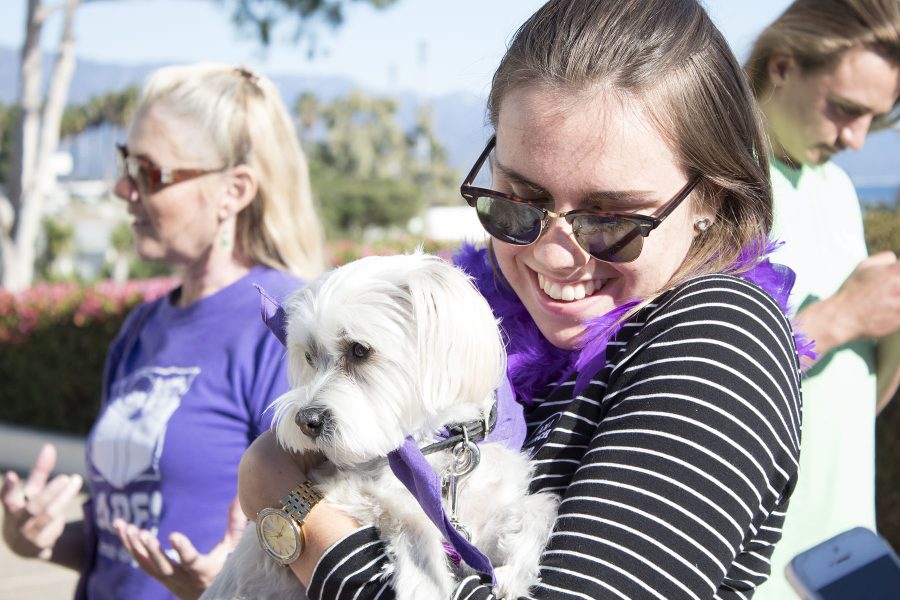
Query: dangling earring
702	224
226	235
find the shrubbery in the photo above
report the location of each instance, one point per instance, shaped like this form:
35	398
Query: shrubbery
53	340
883	233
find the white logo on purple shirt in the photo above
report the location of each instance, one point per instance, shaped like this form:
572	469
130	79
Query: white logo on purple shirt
128	440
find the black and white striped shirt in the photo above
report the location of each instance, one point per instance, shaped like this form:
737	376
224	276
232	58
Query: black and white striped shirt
674	466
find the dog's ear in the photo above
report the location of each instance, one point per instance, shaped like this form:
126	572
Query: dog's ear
460	349
272	314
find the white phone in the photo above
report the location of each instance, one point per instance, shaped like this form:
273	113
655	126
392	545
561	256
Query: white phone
854	564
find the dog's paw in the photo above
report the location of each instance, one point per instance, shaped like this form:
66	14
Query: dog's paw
513	583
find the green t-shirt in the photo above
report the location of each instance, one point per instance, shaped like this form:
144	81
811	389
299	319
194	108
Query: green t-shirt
817	215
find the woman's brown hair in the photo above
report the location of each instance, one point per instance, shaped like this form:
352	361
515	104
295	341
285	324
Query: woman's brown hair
666	58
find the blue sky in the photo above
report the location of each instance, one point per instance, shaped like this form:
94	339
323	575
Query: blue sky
435	46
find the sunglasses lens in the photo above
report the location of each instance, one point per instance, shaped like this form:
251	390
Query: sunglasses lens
510	222
143	176
122	162
610	239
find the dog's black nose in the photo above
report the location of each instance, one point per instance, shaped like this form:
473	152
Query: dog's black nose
312	421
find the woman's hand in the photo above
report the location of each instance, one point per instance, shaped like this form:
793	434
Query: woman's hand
191	573
34	518
268	473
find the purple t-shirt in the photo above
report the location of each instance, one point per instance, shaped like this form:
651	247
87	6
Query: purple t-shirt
185	392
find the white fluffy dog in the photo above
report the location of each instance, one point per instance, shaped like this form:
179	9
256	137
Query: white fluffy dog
381	349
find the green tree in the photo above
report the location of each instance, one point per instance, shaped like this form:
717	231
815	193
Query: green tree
882	227
58	242
366	170
113	108
8	119
438	182
260	17
349	206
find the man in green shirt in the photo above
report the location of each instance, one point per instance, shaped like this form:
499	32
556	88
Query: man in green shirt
825	73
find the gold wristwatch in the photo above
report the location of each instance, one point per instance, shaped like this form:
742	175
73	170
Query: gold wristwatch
280	530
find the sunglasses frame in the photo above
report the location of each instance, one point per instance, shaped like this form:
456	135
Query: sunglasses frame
644	223
156	177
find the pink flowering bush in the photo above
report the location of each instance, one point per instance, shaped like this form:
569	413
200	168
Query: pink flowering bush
50	304
53	342
343	251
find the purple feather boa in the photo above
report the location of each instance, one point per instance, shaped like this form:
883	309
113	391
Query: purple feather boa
534	363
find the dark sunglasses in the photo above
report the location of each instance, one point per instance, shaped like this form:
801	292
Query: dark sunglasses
607	236
149	177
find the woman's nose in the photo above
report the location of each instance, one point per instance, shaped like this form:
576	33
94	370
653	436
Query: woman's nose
125	189
557	248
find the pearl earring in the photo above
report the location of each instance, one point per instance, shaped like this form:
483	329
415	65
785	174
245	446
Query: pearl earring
702	224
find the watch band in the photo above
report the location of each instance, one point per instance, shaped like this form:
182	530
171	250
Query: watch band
300	501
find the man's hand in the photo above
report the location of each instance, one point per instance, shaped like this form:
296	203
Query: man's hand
34	516
188	575
867	305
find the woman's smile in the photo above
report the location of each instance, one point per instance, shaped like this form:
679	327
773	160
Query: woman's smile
571	291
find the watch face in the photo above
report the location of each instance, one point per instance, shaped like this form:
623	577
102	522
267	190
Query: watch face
279	535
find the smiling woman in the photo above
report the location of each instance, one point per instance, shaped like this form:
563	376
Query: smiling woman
659	380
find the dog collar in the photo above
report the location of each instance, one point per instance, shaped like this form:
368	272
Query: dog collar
505	424
471	431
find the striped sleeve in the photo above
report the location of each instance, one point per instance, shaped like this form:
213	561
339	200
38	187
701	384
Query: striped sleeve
695	447
354	568
676	464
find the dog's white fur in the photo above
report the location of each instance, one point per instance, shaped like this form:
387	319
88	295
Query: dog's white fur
435	356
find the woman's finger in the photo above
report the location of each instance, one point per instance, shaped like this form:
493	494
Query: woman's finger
119	527
187	554
12	495
237	523
66	492
160	560
127	540
43	466
54	497
134	545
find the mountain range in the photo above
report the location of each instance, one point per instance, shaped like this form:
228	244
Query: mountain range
459	119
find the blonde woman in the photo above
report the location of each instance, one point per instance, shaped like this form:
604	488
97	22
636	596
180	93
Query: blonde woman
217	186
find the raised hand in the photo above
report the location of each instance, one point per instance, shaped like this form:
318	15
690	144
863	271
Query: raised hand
34	516
189	573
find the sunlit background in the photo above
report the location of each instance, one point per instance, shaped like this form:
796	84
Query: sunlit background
418	69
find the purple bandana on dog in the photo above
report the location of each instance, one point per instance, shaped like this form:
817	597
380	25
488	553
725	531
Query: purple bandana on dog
272	315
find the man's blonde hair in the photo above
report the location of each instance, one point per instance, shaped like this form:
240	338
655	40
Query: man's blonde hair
816	33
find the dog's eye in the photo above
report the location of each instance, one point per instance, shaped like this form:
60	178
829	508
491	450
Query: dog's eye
360	351
308	358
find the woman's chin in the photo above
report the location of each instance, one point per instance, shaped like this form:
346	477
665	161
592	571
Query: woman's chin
563	323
